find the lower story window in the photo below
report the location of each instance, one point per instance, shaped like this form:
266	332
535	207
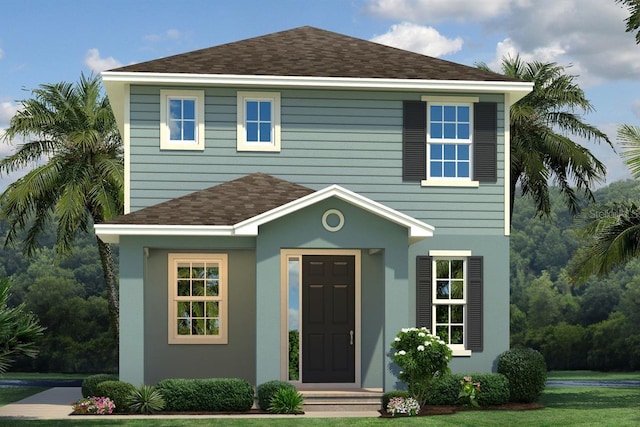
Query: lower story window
197	298
450	300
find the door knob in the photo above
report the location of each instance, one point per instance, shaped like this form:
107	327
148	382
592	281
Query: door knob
351	335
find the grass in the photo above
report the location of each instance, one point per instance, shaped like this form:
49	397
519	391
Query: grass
41	376
593	375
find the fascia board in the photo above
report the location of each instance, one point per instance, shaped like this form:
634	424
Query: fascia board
110	233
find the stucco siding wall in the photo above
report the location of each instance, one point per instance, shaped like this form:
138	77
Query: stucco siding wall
350	138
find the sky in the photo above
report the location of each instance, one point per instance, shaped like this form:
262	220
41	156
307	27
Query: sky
44	41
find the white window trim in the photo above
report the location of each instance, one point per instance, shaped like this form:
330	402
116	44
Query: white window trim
242	143
165	133
223	299
450	182
456	349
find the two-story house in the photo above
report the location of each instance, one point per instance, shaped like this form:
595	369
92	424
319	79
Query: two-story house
294	200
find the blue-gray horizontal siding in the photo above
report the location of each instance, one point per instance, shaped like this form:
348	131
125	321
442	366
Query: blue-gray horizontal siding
350	138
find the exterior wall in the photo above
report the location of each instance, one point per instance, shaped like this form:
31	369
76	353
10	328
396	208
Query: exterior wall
495	251
143	310
385	289
350	138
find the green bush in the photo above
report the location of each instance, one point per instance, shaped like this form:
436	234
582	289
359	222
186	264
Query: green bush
391	394
267	390
118	391
286	401
211	394
494	389
89	384
146	400
526	371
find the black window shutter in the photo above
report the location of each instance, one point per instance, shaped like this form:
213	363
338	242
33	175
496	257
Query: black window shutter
474	303
423	292
414	140
485	142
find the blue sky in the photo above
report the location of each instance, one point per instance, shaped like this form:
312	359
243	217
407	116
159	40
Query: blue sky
43	41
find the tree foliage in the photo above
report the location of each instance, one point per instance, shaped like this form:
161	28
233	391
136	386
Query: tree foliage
73	145
633	21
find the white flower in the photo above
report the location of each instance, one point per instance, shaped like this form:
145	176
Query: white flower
441	342
427	343
421	334
420	348
402	352
396	339
405	330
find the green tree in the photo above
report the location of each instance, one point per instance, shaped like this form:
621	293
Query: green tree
633	21
542	125
19	330
74	146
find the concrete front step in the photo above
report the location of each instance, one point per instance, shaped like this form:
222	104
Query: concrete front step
342	400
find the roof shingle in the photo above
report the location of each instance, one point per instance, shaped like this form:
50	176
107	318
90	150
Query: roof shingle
225	204
312	52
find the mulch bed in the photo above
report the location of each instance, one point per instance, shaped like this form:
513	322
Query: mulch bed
430	410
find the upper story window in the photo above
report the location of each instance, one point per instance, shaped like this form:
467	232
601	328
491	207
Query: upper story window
182	120
449	141
258	121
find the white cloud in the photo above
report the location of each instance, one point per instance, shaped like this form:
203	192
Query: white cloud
417	38
1	53
170	34
7	111
432	11
97	64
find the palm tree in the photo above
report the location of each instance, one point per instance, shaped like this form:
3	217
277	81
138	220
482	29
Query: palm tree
613	230
74	147
542	124
633	21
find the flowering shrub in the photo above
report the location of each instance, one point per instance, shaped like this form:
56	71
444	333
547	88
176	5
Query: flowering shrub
403	406
421	357
469	392
94	405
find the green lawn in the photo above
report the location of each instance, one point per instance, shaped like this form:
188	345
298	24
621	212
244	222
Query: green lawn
593	375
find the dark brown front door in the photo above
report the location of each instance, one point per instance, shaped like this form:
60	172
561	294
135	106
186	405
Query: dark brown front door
328	319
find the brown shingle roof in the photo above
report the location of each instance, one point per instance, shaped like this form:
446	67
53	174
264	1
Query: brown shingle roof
225	204
312	52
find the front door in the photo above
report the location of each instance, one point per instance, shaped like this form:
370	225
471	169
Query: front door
328	319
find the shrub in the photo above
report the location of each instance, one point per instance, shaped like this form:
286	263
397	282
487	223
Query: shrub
391	394
267	390
146	400
94	406
211	394
118	391
89	384
421	358
494	389
526	371
286	401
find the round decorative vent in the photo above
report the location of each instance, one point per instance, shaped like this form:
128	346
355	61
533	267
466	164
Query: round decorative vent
333	220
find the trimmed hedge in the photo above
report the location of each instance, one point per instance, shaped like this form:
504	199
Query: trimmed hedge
118	391
267	390
89	384
211	394
391	394
526	371
494	389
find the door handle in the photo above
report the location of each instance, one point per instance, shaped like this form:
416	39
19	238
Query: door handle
351	335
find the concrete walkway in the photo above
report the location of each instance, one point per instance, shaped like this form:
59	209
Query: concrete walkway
55	403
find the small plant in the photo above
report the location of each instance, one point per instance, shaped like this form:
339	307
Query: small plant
91	382
267	390
118	392
469	393
286	401
407	406
421	357
146	400
94	406
526	371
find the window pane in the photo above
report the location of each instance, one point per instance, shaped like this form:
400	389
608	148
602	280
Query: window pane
463	114
198	288
265	132
457	268
463	170
463	152
184	327
184	271
252	132
184	290
175	109
449	113
213	288
436	151
252	110
183	309
436	113
457	290
457	314
449	169
265	111
197	327
442	314
197	309
197	270
463	131
442	289
457	334
212	309
213	327
449	131
442	269
189	109
213	272
436	169
175	131
442	332
436	130
189	131
449	152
